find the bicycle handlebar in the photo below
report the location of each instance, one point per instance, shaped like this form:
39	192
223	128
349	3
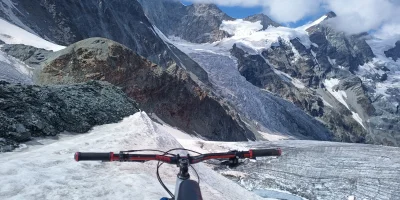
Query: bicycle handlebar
126	157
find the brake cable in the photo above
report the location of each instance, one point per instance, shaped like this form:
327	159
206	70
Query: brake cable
161	163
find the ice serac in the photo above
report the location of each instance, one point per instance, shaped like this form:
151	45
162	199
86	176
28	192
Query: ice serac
36	111
171	94
197	23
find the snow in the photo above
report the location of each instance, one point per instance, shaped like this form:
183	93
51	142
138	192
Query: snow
246	35
316	22
358	119
273	137
351	198
314	54
249	35
379	46
339	95
12	34
326	103
160	34
241	28
49	171
277	194
286	77
19	66
332	61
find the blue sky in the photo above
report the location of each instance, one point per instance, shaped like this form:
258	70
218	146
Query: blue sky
242	12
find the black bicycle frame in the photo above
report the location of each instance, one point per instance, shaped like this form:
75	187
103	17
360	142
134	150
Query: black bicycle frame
186	189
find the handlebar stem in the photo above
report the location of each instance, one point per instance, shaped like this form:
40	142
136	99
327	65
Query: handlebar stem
184	168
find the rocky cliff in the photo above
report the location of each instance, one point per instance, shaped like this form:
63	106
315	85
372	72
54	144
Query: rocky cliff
197	23
67	22
171	94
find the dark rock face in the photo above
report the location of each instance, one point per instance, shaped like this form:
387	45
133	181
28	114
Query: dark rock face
385	123
255	69
394	53
283	58
66	22
264	19
348	51
172	94
197	23
35	111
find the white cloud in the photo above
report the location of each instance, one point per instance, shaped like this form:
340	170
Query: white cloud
285	11
354	16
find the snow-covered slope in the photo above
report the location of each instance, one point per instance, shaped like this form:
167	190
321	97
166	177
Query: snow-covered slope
49	172
311	24
12	34
45	169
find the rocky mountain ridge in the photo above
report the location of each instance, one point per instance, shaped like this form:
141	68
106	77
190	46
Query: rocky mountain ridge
198	23
120	20
323	73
